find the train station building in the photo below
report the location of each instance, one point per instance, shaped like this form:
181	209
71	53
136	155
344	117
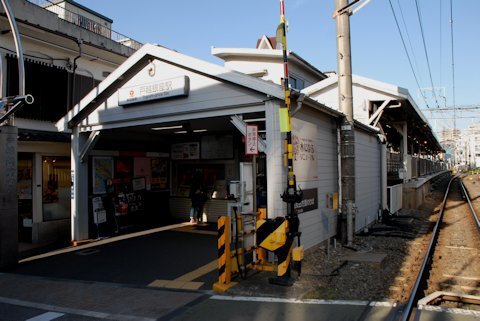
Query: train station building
125	155
141	135
139	138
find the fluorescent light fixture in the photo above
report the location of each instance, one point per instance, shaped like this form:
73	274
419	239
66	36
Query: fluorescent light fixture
253	120
180	132
167	127
199	130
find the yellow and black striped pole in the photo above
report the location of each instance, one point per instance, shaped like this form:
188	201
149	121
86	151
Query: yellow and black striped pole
291	195
224	256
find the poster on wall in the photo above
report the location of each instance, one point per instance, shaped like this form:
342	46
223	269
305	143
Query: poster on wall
159	172
138	184
135	202
123	167
142	168
24	179
304	146
102	172
183	151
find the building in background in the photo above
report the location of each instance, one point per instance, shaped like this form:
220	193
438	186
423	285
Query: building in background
265	61
68	50
468	147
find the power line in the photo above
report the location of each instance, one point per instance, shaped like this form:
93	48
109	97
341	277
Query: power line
441	42
441	52
458	108
408	38
426	53
450	118
408	56
453	64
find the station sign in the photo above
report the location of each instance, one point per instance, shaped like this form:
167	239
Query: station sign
160	89
251	140
309	201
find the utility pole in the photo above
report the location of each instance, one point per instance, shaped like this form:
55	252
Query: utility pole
347	131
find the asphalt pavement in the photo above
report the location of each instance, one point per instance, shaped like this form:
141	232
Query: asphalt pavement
161	274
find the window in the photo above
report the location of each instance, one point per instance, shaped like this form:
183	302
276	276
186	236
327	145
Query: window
56	183
296	83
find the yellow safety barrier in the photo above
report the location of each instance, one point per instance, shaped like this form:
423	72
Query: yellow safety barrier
261	253
224	256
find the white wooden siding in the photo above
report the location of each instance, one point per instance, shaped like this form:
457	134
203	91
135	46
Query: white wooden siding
320	224
368	196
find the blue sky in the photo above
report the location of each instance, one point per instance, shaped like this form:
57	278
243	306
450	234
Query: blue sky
192	27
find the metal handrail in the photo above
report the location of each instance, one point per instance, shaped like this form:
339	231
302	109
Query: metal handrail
86	23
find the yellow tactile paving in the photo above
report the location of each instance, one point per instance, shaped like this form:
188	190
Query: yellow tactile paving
186	281
195	274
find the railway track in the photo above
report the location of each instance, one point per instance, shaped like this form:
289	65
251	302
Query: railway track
449	277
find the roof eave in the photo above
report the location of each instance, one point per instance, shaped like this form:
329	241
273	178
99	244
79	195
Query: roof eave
140	59
225	53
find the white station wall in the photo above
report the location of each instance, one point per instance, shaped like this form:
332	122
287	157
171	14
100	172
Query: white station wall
319	172
368	195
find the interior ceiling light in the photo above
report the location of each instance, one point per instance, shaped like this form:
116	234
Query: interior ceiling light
199	130
253	120
180	132
167	127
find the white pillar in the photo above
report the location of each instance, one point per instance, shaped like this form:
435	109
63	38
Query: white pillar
383	178
276	177
79	192
405	151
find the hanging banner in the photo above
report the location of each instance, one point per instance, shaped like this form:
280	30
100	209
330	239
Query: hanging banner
304	135
251	140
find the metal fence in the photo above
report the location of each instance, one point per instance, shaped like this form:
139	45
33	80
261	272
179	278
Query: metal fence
416	166
394	164
86	23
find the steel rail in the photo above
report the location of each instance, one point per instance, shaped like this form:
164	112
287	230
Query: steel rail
467	197
407	311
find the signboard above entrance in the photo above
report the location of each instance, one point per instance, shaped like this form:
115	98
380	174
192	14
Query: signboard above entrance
160	89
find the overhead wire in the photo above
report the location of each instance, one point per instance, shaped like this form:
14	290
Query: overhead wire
409	39
446	113
453	66
441	44
408	56
426	52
